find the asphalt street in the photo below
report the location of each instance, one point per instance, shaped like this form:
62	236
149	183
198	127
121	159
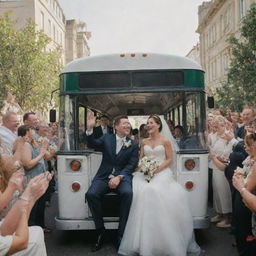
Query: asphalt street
215	241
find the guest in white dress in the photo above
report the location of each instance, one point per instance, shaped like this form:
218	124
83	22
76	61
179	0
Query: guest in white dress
220	148
160	221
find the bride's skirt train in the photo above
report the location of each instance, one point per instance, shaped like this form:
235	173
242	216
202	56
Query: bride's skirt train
160	221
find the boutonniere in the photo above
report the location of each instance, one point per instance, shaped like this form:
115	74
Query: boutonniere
127	143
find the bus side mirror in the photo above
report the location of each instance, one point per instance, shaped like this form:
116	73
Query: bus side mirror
210	101
52	115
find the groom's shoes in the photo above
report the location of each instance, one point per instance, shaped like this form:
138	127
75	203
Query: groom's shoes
99	240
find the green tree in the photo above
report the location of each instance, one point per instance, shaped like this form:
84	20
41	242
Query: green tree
27	69
239	88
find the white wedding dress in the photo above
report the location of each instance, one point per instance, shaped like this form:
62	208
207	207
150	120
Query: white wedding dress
160	221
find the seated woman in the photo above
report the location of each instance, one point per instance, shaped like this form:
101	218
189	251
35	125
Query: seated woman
16	237
160	221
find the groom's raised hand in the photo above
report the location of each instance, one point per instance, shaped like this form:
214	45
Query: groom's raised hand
90	121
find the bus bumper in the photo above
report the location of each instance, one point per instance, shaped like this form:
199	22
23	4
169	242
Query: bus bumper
85	224
112	223
201	222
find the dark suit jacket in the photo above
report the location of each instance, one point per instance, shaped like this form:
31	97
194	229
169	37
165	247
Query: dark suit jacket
123	163
97	131
240	132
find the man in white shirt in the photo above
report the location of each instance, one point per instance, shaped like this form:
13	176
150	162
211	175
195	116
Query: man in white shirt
8	130
102	129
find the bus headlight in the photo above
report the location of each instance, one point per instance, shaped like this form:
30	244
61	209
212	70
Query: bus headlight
75	165
75	186
190	164
189	185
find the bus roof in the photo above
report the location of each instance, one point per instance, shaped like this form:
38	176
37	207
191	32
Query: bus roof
130	61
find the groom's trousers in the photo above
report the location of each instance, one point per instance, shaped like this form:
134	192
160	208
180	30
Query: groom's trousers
94	197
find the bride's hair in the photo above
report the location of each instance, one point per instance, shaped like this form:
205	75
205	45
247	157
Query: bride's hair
157	120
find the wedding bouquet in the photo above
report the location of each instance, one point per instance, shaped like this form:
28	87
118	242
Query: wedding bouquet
147	166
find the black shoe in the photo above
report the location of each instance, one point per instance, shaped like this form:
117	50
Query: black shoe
99	241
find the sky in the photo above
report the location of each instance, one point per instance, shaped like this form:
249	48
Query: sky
121	26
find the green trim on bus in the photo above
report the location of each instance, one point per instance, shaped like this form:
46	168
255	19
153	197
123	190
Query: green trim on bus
69	82
193	79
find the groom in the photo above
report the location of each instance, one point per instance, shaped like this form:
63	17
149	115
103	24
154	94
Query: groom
120	157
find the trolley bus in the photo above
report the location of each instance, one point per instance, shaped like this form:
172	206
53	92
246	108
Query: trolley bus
132	84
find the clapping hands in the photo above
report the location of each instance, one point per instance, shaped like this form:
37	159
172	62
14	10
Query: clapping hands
17	180
37	186
238	181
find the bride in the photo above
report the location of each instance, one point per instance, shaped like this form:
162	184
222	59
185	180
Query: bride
160	221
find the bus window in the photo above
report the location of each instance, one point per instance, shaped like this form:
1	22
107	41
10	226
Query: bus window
193	129
176	116
181	116
81	128
67	123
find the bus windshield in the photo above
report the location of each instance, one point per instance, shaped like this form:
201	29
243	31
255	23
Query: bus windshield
185	108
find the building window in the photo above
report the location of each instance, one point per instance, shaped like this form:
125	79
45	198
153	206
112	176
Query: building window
42	20
227	20
214	33
54	33
242	8
49	28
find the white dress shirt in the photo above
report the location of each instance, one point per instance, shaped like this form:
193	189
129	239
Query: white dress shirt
119	143
104	129
7	138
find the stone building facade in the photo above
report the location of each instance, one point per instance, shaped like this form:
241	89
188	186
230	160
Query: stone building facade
47	14
194	54
76	40
218	21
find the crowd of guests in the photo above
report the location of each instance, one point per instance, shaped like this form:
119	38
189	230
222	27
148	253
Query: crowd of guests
27	164
232	166
27	158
